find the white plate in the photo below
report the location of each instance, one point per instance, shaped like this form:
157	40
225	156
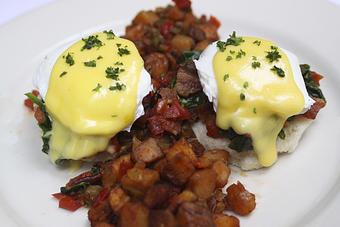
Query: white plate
300	190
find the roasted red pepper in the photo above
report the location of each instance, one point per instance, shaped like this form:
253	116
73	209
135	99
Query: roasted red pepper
67	202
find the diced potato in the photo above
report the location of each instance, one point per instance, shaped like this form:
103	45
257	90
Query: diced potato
178	169
181	146
117	199
175	13
137	180
194	215
202	45
134	214
145	17
222	172
184	196
217	155
162	218
103	224
121	165
222	220
158	195
99	213
240	200
217	202
148	151
203	183
182	43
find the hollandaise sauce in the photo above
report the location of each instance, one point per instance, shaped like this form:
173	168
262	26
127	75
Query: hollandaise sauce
256	92
92	94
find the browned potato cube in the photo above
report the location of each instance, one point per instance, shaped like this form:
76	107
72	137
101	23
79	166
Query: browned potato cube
134	215
181	146
222	172
138	180
203	183
159	165
121	165
210	31
158	195
147	151
162	218
217	202
202	45
222	220
99	213
157	64
145	17
203	163
175	13
217	155
184	196
117	199
240	200
182	43
178	169
103	224
193	215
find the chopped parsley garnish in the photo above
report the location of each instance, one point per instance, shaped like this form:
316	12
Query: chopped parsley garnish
273	54
119	63
229	58
246	85
254	110
233	40
90	42
257	42
242	97
232	51
256	64
99	57
240	53
113	73
96	89
221	45
278	71
225	77
63	74
91	63
110	34
123	51
69	59
114	115
117	87
282	134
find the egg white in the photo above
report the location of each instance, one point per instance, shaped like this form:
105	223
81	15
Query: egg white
206	75
42	77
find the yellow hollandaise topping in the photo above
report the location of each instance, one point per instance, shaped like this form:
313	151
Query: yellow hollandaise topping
257	92
92	94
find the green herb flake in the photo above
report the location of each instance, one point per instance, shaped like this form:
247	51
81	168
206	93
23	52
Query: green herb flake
257	42
232	52
245	85
255	64
113	73
90	42
109	34
99	57
114	115
91	63
278	71
233	40
229	58
123	51
254	110
225	77
282	134
69	59
242	97
96	89
118	63
63	74
118	87
273	54
240	54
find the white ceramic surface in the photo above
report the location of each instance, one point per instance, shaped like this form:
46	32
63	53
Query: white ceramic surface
302	189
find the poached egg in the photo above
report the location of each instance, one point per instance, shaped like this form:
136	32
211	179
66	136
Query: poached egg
93	89
255	86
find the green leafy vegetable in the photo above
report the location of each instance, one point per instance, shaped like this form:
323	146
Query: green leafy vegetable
255	64
312	87
282	134
233	40
122	50
242	97
110	34
69	59
118	87
113	73
96	89
257	42
46	126
278	71
90	42
91	63
63	74
193	101
273	54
